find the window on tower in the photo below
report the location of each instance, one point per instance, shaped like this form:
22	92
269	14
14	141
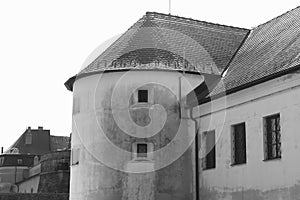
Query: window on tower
142	96
142	150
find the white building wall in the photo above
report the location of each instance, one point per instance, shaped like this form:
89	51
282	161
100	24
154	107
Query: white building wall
97	164
257	179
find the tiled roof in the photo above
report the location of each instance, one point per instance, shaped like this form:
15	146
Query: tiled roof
59	143
203	45
270	49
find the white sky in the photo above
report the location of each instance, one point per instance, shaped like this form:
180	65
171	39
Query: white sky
43	43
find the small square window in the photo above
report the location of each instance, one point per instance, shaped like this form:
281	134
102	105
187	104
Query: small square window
142	150
19	161
142	96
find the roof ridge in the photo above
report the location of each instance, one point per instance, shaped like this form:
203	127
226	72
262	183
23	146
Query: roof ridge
192	19
275	18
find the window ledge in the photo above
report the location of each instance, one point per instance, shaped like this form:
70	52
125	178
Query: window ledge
238	164
272	159
142	159
141	105
208	169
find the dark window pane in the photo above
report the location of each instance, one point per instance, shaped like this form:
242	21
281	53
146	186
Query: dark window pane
210	158
141	150
273	137
239	135
142	96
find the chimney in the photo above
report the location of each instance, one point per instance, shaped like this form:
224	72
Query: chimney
29	128
1	150
40	128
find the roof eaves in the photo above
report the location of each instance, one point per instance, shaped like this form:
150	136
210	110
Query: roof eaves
248	85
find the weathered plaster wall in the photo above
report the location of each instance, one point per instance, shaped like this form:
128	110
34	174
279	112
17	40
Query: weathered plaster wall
55	172
30	185
12	174
257	179
94	176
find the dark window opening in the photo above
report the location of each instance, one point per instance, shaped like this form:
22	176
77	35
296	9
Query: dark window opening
141	150
210	149
142	96
239	144
272	137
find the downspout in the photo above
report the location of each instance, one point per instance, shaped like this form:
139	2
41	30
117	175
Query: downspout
197	181
179	94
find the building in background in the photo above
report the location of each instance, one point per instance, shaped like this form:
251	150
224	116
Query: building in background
38	142
35	160
50	175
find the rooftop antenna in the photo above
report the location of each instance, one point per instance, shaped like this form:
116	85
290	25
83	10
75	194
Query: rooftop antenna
169	7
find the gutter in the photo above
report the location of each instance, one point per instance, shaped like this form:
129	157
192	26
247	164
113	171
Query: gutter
248	85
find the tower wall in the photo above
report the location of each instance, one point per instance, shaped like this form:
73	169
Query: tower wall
108	122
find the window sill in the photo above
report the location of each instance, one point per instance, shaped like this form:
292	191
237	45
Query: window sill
141	105
142	159
75	164
272	159
208	169
238	164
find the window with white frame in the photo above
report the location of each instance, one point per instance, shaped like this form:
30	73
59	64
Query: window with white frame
142	150
143	95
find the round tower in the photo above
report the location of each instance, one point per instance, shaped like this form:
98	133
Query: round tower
130	136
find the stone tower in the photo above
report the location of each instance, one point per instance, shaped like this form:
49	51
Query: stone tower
132	137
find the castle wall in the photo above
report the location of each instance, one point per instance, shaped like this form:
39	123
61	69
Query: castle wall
104	132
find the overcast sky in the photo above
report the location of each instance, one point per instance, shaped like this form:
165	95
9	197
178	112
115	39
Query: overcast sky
43	43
